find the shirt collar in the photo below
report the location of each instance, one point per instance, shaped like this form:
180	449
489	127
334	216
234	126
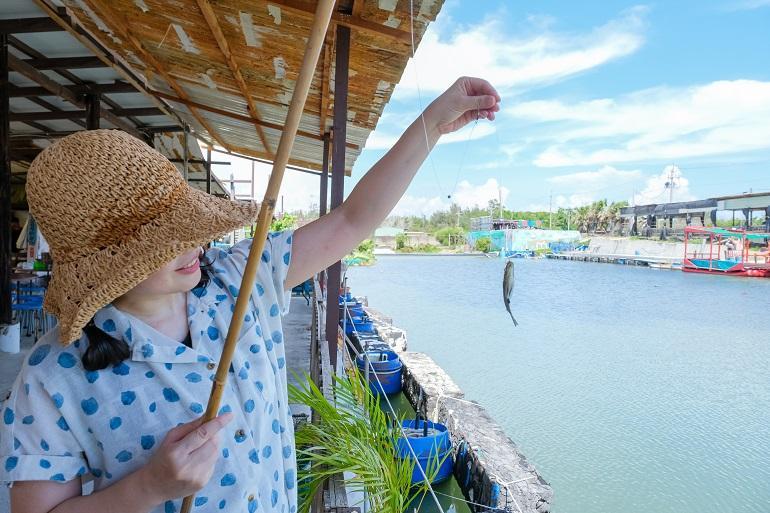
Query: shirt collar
146	343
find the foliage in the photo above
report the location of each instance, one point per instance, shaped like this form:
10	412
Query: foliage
420	248
599	216
285	222
401	240
450	235
353	435
484	244
363	254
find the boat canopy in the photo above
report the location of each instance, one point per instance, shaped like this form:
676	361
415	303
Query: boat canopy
724	232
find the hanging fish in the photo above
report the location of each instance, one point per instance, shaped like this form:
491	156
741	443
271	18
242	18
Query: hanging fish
508	288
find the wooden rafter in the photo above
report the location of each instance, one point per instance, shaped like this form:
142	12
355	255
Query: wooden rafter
118	22
62	91
224	47
240	117
89	41
326	69
354	22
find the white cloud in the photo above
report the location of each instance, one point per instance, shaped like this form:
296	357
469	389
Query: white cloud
659	188
488	50
661	123
466	195
604	177
384	141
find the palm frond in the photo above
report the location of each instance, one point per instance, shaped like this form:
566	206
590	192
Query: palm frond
353	435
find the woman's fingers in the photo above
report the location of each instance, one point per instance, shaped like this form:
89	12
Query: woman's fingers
203	433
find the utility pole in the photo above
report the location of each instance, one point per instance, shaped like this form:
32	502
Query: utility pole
500	200
550	211
671	183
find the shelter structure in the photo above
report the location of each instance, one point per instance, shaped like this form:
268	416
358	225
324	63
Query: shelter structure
663	218
176	74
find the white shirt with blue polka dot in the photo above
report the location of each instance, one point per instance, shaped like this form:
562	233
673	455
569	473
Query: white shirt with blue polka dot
62	422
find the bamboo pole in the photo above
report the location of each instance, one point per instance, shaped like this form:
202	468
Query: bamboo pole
321	20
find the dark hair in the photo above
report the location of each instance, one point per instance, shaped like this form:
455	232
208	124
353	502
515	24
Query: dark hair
104	350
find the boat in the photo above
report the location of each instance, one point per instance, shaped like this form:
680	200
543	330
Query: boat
728	253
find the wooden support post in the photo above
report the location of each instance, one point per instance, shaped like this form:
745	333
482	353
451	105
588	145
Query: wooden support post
322	200
186	153
338	176
93	105
5	187
208	170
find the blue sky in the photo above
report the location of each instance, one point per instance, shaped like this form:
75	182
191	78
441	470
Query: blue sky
599	99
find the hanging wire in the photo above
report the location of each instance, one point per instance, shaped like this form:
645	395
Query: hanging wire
392	410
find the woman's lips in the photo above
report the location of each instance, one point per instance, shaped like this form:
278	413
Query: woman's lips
190	268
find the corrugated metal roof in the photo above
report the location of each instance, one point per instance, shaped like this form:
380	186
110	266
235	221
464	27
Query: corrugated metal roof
171	45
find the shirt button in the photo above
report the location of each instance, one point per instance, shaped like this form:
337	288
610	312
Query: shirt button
240	433
251	497
211	365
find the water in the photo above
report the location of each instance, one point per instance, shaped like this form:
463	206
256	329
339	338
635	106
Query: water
631	390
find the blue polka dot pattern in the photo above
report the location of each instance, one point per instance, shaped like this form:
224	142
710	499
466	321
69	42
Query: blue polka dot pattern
117	417
89	406
67	360
38	355
170	395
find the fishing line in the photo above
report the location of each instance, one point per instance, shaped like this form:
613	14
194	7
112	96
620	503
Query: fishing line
422	115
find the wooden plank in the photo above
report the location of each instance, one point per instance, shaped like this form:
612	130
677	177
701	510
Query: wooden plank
239	117
63	92
354	22
93	106
66	63
325	71
118	22
224	47
28	25
115	87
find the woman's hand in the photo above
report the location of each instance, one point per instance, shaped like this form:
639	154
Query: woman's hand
466	100
185	460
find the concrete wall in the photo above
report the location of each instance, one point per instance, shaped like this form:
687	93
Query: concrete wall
488	465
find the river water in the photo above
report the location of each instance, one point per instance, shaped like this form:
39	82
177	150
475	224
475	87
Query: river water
632	390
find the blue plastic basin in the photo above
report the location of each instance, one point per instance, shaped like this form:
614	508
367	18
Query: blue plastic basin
426	448
384	371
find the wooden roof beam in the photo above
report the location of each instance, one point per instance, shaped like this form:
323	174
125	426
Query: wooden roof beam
224	47
326	65
27	25
80	114
114	87
66	63
63	92
239	117
118	22
352	21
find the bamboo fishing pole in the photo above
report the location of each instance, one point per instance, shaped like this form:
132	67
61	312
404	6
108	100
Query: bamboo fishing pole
323	14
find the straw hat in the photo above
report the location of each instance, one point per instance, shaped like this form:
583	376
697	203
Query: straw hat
114	211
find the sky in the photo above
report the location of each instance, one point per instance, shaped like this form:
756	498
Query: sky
600	100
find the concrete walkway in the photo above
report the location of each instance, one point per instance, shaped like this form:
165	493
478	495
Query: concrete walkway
296	329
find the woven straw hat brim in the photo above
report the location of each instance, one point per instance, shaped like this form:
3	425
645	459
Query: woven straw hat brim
78	289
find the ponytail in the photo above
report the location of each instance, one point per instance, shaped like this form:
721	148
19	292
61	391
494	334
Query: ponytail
103	349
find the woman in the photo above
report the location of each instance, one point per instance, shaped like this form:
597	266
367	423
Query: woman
141	327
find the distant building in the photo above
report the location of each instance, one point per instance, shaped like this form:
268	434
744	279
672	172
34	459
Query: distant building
385	237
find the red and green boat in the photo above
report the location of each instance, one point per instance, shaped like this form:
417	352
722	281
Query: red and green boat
728	252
